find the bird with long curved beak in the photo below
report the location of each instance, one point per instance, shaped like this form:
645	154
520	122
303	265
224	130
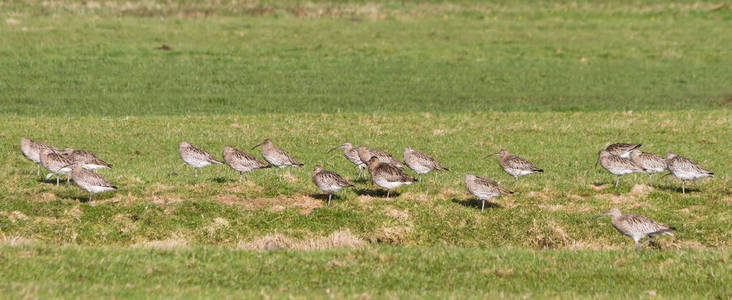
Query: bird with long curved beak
635	226
276	156
351	153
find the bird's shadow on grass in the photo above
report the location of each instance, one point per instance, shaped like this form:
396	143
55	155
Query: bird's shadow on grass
360	180
381	193
224	179
475	203
677	189
82	196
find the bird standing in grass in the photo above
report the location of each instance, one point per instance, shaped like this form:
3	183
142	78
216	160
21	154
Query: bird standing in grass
616	165
685	169
635	226
514	165
32	151
87	159
622	149
387	175
276	156
421	163
351	153
484	188
241	161
88	180
56	163
329	182
650	162
365	154
195	157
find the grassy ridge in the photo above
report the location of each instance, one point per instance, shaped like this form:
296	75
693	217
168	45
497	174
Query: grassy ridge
565	59
159	198
371	272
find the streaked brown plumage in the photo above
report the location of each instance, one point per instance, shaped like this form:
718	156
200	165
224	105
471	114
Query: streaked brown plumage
351	153
484	188
55	163
365	155
195	157
329	182
621	149
650	162
617	165
86	158
514	165
685	169
387	175
89	180
635	226
421	163
241	161
32	151
276	156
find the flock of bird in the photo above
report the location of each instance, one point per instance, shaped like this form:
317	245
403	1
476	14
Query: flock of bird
385	171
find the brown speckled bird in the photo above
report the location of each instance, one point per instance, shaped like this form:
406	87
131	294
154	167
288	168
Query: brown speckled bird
421	163
622	149
635	226
650	162
514	165
241	161
329	182
32	151
276	157
86	158
484	188
195	157
387	175
616	165
685	169
351	153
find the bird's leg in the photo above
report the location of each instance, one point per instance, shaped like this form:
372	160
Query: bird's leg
420	178
387	193
649	176
637	246
683	186
482	207
617	179
329	196
56	179
68	178
239	176
516	178
90	196
195	172
38	166
360	170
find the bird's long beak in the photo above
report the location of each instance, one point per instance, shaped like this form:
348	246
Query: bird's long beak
489	155
596	162
594	219
260	144
336	147
664	175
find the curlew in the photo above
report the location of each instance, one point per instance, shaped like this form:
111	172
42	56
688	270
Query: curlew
32	151
365	154
421	163
86	158
351	153
56	163
88	180
635	226
514	165
241	161
622	149
195	157
329	182
484	188
617	165
685	169
276	156
387	175
650	162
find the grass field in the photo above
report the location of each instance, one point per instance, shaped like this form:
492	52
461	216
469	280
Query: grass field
551	82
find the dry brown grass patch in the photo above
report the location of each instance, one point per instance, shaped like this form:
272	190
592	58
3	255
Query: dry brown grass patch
304	204
338	239
175	241
168	198
547	235
395	235
16	241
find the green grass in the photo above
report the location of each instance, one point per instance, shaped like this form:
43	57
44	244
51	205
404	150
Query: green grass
381	272
553	82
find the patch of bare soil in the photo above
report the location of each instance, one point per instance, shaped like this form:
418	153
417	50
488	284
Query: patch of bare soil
338	239
548	235
304	204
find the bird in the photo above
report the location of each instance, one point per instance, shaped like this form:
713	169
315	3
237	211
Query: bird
351	153
635	226
421	163
195	157
32	151
622	149
484	188
329	182
365	155
650	162
88	160
88	180
387	175
56	163
617	165
514	165
276	156
685	169
241	161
